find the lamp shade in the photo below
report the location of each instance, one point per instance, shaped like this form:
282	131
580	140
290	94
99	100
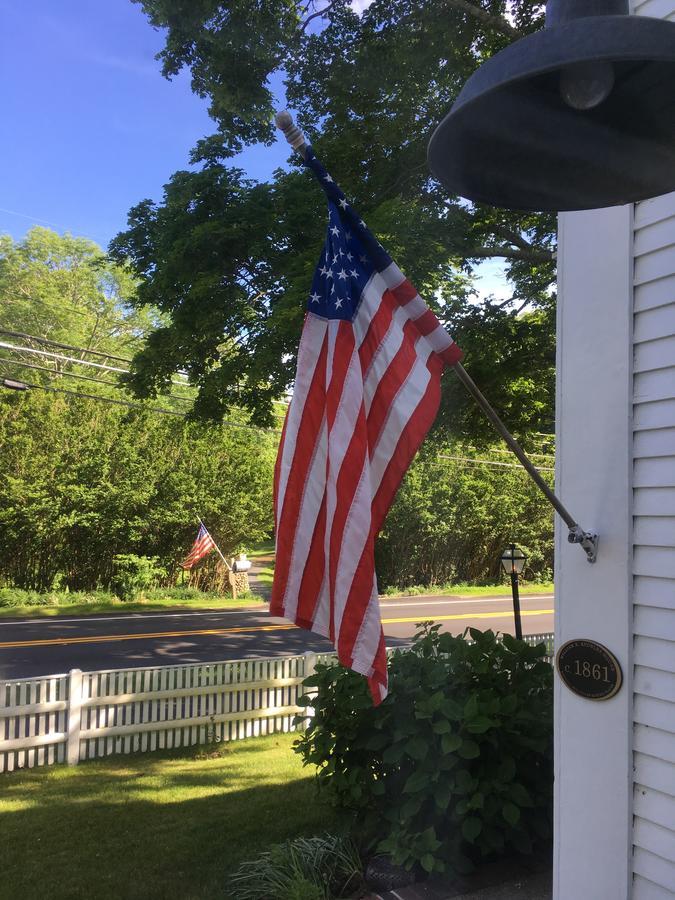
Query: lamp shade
513	560
579	115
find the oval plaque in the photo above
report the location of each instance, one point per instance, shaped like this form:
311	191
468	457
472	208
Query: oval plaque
589	669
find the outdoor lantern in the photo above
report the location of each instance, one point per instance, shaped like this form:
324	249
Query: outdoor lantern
579	115
513	560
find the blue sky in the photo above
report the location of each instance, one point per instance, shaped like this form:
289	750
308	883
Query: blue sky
90	125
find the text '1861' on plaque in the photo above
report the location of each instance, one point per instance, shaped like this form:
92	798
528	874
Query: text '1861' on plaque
589	669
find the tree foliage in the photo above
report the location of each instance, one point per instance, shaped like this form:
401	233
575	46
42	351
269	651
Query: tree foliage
453	517
67	289
229	261
82	482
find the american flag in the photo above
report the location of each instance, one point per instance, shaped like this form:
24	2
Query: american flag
367	389
202	546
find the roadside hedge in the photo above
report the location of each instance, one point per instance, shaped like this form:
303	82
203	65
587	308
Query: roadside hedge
456	765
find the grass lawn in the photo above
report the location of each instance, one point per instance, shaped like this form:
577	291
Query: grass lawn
152	825
471	590
115	605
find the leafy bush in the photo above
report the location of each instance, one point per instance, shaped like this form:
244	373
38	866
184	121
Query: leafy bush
456	763
133	574
316	868
15	597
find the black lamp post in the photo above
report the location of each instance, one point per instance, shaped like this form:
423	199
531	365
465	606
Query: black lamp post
513	561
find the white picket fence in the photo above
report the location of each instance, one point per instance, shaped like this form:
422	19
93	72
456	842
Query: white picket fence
85	715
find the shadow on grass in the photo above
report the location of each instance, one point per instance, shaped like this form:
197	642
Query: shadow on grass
170	827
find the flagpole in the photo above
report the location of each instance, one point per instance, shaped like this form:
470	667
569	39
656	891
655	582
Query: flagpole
588	540
229	567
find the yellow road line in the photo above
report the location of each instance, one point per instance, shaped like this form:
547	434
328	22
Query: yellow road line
104	638
485	615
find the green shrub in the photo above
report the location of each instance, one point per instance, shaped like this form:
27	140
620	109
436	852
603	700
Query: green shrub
15	597
455	764
133	574
315	868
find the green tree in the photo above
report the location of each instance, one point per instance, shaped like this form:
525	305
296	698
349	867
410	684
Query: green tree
452	518
67	289
229	261
82	481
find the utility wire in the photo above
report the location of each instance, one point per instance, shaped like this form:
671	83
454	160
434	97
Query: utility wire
27	365
158	409
63	374
50	343
491	462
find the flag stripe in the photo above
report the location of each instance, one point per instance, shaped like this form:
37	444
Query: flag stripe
366	391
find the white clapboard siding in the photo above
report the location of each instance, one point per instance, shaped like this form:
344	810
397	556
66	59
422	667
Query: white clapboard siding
654	442
659	9
647	890
654	536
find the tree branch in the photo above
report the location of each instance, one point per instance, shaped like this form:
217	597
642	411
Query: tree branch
495	22
533	255
315	15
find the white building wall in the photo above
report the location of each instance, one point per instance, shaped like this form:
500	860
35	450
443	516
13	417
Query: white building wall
615	760
654	537
593	739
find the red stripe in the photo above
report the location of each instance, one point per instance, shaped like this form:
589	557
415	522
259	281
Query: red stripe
357	603
347	483
397	371
308	433
427	323
312	577
277	464
379	676
312	580
452	355
404	292
412	436
379	325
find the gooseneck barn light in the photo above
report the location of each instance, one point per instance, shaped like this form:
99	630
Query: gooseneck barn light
579	115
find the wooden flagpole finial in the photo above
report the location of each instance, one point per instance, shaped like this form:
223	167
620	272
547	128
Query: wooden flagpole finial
284	121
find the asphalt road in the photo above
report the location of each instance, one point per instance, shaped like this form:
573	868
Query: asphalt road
32	647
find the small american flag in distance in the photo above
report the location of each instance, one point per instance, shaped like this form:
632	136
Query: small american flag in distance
367	389
202	546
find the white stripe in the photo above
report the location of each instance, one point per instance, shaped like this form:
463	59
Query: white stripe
311	344
402	408
310	504
439	339
371	298
357	530
392	276
415	308
338	442
368	638
382	359
341	435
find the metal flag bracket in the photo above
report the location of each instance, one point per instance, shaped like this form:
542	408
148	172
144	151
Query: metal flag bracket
588	540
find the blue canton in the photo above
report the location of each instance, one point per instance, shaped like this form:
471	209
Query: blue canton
350	255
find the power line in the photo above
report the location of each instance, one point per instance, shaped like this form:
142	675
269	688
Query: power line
49	343
491	462
27	365
158	409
